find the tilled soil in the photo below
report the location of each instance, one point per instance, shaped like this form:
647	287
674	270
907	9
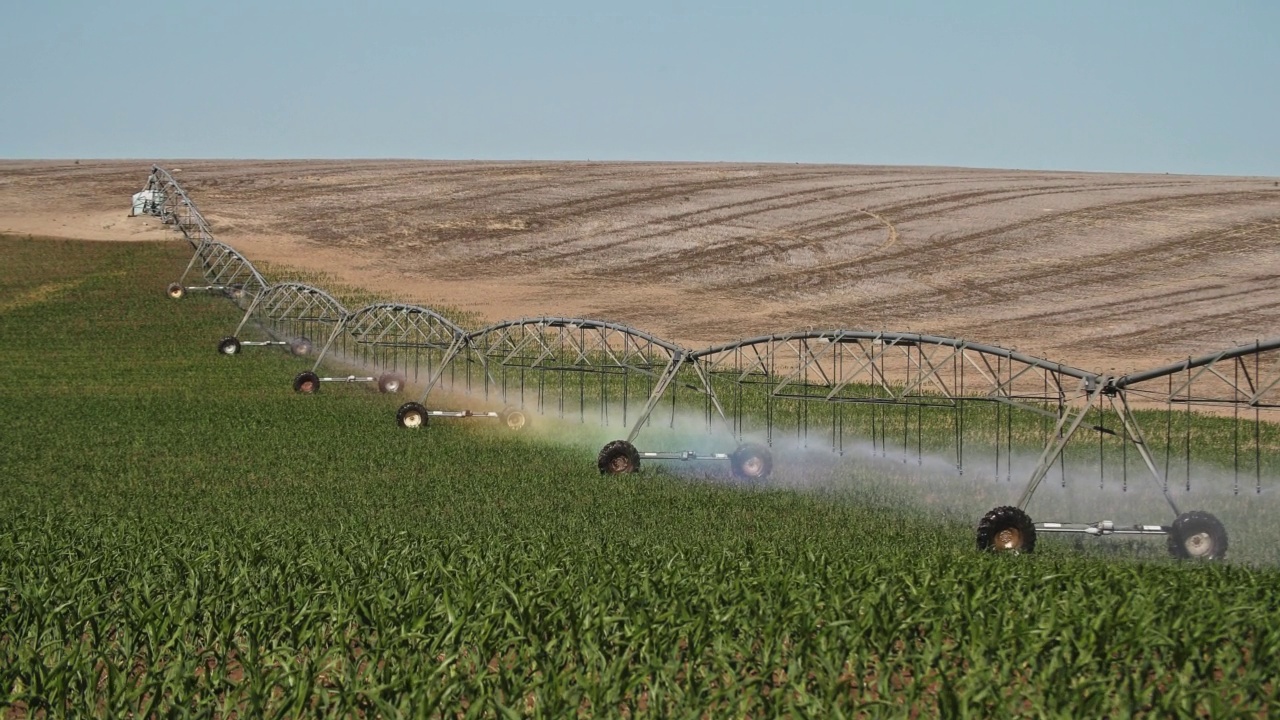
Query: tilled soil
1102	271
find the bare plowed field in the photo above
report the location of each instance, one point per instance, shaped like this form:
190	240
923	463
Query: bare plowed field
1102	271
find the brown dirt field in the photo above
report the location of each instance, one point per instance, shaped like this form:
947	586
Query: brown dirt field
1103	271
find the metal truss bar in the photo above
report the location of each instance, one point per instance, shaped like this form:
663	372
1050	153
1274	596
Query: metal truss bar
338	327
1070	419
876	375
932	375
918	402
659	389
894	338
298	292
182	279
392	309
173	199
551	339
1134	432
607	350
1004	387
812	358
248	313
1024	406
710	392
578	323
226	259
333	335
1255	399
1191	363
458	345
525	340
547	350
930	366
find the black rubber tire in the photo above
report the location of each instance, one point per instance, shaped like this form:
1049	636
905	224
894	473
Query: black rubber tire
514	419
411	415
175	291
306	383
390	383
1007	529
300	346
1197	535
228	346
617	458
751	462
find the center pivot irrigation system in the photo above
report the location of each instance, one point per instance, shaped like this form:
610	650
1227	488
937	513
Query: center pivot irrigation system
901	394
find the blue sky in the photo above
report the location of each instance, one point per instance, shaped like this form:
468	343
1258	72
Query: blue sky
1182	86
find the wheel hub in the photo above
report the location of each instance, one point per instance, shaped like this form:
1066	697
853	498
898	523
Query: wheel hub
753	466
1199	545
619	464
412	420
1008	539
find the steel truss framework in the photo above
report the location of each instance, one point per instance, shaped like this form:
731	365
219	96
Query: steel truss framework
223	270
395	337
837	384
221	267
291	304
877	368
559	364
288	314
1243	379
828	382
175	208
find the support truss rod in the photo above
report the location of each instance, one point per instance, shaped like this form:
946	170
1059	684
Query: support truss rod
1073	416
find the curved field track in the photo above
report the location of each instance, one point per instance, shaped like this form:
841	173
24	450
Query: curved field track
1101	271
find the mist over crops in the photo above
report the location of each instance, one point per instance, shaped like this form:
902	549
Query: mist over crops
183	535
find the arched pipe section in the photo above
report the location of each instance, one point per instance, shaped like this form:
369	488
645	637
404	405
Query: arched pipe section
395	323
571	344
499	332
399	327
293	309
900	339
566	349
1252	386
295	301
842	366
224	270
896	367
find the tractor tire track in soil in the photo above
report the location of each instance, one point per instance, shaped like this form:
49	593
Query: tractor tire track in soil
672	225
1086	268
953	203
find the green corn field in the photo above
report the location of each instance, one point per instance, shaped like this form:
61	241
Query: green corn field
181	535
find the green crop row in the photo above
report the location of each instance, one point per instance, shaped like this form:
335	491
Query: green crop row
181	535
